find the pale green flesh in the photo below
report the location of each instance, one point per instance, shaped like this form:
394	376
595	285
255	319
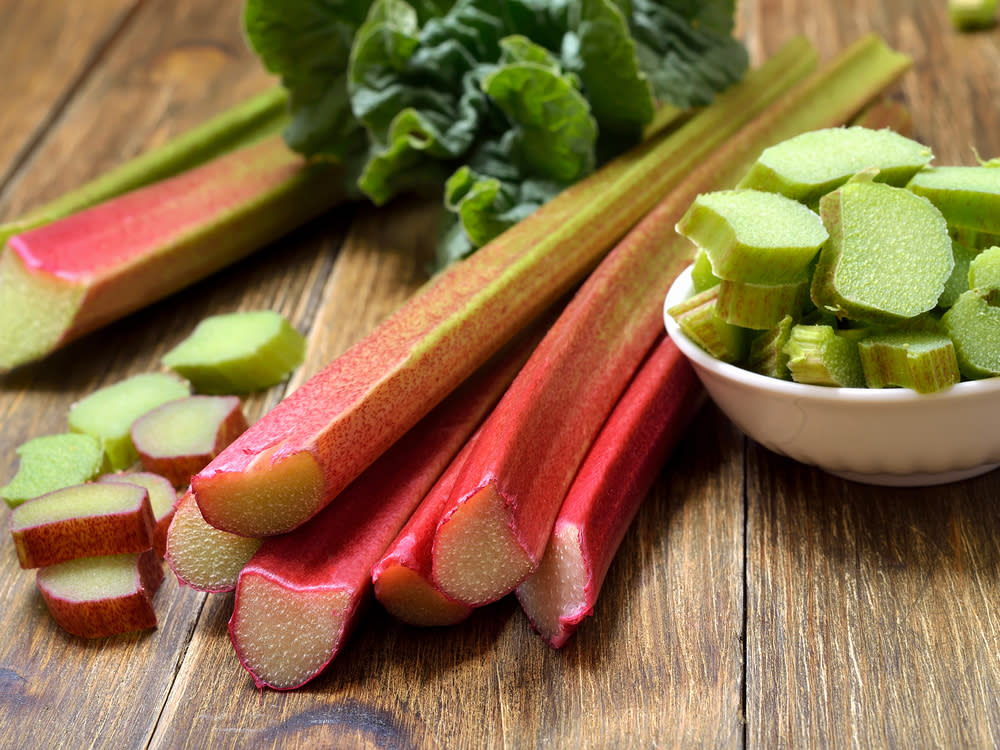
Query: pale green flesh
972	323
812	164
958	280
984	269
238	352
78	501
184	427
92	578
108	413
819	355
51	462
968	197
888	257
737	229
921	360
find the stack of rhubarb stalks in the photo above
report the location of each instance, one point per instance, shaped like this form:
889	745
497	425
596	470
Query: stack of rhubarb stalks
488	439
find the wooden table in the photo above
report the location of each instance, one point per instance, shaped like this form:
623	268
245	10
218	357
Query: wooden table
755	601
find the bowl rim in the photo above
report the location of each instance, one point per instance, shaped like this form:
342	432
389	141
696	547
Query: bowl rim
682	288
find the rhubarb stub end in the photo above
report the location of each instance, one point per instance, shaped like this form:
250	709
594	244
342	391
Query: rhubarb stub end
554	597
409	597
265	498
284	637
37	310
477	555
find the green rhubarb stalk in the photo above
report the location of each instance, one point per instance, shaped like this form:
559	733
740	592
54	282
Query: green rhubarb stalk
295	460
923	361
511	488
64	279
259	116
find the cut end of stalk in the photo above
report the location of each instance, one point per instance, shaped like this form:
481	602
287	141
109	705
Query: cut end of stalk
200	555
285	637
36	311
267	497
410	597
554	596
477	557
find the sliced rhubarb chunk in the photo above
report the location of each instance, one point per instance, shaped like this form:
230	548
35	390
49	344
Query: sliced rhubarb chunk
812	164
958	280
202	556
920	360
966	15
51	462
700	321
84	520
767	354
238	352
972	323
984	269
162	500
968	197
70	277
96	597
606	494
180	437
820	355
888	257
702	276
754	236
760	306
109	412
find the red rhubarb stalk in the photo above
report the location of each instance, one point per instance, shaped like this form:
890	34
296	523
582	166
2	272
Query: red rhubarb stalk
605	496
511	488
64	279
402	576
295	460
299	597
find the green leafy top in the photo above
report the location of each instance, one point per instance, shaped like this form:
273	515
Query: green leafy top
503	104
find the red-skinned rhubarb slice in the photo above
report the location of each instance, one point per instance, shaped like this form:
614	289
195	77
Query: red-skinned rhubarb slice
62	280
507	499
300	596
96	597
84	520
295	460
605	496
162	501
403	578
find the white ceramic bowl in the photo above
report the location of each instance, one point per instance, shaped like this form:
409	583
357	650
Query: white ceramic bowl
889	436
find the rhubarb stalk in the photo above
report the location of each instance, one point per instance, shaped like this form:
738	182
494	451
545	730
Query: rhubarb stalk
74	275
605	496
296	459
511	488
300	596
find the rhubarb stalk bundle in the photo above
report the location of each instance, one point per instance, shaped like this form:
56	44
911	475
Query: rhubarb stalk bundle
295	460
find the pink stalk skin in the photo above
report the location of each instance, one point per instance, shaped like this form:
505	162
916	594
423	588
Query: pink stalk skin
291	463
331	557
178	470
201	556
50	543
402	576
141	246
100	618
163	507
506	501
631	448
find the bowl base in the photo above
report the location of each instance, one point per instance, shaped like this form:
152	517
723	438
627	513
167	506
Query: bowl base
915	480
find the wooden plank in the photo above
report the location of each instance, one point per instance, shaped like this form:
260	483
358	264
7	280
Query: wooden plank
872	612
47	47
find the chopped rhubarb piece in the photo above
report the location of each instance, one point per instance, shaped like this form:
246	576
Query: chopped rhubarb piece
958	281
508	496
299	597
108	413
812	164
202	556
820	355
162	500
295	460
760	306
699	319
968	197
984	269
96	597
888	257
702	275
923	361
180	437
605	496
972	323
74	275
966	15
51	462
767	351
238	352
84	520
